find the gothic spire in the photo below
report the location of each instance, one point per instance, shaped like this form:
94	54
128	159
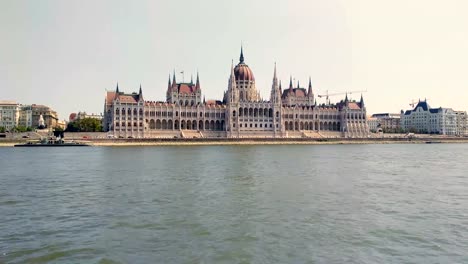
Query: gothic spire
241	59
140	94
197	85
298	84
173	78
290	82
309	93
191	78
117	89
274	74
362	101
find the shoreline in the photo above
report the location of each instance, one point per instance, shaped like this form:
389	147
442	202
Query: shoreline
252	141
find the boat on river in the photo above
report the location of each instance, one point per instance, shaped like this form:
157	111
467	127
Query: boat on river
53	143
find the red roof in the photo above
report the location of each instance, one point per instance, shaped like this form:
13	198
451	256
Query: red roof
354	105
110	97
129	99
72	116
186	88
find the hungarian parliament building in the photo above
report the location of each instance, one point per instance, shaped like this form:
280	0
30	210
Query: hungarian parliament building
291	112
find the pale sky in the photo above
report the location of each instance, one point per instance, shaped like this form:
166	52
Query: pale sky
65	54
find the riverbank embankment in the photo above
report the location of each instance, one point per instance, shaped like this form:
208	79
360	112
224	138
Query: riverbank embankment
255	141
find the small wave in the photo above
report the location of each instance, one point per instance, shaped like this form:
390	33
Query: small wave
60	254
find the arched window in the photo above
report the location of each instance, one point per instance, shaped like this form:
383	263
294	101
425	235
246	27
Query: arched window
123	111
129	112
234	113
134	111
117	111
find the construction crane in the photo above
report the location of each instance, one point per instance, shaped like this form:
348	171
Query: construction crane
327	95
413	103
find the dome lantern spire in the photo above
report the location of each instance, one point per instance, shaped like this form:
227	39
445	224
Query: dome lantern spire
241	58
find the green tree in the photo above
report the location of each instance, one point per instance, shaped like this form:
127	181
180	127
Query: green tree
2	130
85	125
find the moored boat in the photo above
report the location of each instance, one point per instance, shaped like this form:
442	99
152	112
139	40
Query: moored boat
53	143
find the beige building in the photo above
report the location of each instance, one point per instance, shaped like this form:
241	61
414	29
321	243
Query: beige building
291	112
388	122
462	123
25	118
49	115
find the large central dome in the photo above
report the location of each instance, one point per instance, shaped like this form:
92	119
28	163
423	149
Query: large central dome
242	70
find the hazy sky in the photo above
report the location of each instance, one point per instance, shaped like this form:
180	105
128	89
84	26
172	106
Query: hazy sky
66	53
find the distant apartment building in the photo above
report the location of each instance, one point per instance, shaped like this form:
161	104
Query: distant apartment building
388	121
9	114
373	123
13	114
49	115
81	115
462	123
443	121
25	117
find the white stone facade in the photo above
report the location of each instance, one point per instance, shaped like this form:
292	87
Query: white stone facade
241	113
443	121
9	114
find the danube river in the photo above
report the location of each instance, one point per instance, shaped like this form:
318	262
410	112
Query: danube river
399	203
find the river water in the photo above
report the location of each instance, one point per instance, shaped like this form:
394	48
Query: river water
235	204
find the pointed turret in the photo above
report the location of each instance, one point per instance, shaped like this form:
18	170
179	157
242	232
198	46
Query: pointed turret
291	88
233	93
117	89
274	73
197	85
309	92
346	98
298	85
173	78
140	94
191	78
362	102
169	84
275	96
